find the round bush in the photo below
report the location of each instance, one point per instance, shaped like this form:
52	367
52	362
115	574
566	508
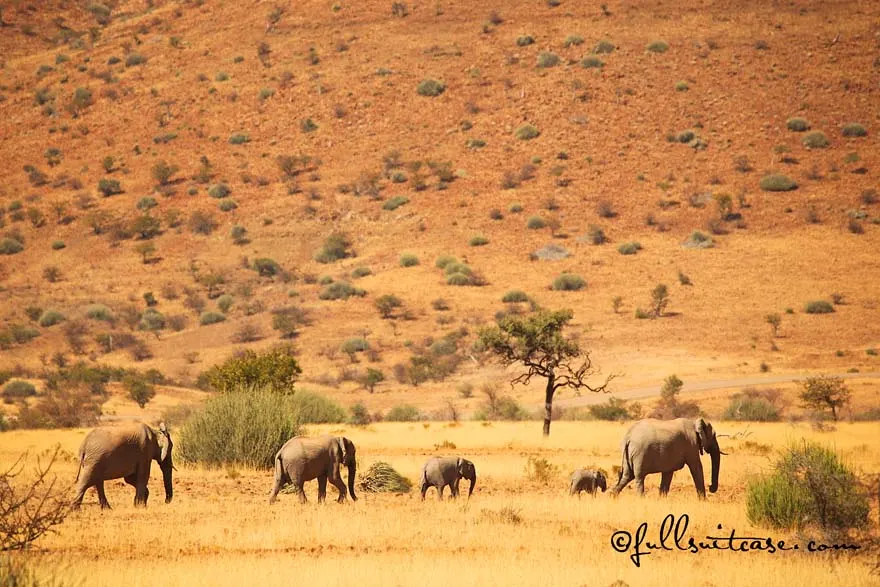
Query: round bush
313	408
547	59
681	86
444	260
220	190
224	303
536	223
797	124
395	203
478	241
527	132
592	62
19	389
819	307
99	312
361	272
810	486
51	318
239	428
208	318
458	279
815	140
152	320
515	296
525	40
340	291
604	46
10	246
354	345
227	205
630	248
431	88
408	260
403	413
456	267
266	267
854	129
751	409
146	203
777	182
515	208
657	47
58	245
568	282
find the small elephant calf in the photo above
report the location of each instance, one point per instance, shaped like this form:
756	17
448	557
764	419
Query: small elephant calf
586	480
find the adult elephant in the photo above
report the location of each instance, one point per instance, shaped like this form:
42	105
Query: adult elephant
302	459
442	471
665	446
124	452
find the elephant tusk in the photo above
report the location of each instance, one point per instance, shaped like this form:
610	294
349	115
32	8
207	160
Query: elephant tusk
722	452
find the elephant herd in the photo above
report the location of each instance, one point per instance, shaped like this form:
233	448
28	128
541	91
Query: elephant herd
649	446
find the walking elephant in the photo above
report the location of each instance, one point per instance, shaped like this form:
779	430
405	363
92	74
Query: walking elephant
589	481
665	446
442	471
302	459
124	452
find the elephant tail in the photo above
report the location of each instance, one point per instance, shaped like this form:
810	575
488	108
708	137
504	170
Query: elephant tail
82	458
626	466
279	468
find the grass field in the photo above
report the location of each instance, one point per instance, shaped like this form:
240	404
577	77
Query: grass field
219	530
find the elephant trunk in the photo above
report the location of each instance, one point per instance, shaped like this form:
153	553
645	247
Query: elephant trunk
167	471
716	467
473	481
352	469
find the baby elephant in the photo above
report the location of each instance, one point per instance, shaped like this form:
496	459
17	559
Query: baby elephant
439	472
586	480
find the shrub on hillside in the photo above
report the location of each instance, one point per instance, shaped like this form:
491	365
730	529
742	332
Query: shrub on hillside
337	246
340	290
266	267
313	408
209	318
615	410
527	132
395	203
244	429
10	246
275	370
797	124
592	62
515	296
547	59
51	318
536	223
815	140
431	88
776	182
403	413
854	130
630	248
61	408
568	282
810	486
819	307
19	389
109	187
408	260
657	47
745	408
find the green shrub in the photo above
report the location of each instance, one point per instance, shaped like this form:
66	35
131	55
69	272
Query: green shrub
777	183
403	413
515	296
431	88
221	76
227	205
146	203
208	318
819	307
19	389
275	370
797	124
139	390
358	272
815	140
340	291
99	312
10	246
515	208
547	59
354	345
266	267
408	260
526	132
457	267
314	408
854	130
573	41
337	246
445	260
810	486
596	235
458	279
592	62
224	303
743	408
360	416
245	429
604	46
478	241
51	318
525	41
395	203
220	190
657	47
503	408
681	86
614	410
630	248
536	223
134	59
380	477
239	139
568	282
109	187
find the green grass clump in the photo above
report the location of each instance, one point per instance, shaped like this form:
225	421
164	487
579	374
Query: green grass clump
547	59
573	41
592	62
227	205
515	296
313	408
99	312
630	248
536	223
478	241
819	307
51	318
604	47
797	124
239	139
816	140
568	282
854	129
408	260
525	40
340	291
431	88
208	318
777	182
10	246
395	202
219	191
657	47
403	413
526	132
443	261
681	86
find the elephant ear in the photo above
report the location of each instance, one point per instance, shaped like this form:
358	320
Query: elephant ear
164	443
701	432
347	449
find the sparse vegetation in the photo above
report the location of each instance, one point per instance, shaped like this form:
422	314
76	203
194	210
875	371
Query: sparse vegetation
819	307
568	282
431	88
853	130
776	182
815	140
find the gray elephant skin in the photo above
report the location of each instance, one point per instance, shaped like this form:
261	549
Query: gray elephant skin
666	446
442	471
587	480
124	452
303	459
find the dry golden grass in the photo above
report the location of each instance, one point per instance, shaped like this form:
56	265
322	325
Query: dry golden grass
220	531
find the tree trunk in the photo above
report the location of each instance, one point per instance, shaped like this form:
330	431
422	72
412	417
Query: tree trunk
834	412
548	402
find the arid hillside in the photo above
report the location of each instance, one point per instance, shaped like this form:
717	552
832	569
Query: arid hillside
205	152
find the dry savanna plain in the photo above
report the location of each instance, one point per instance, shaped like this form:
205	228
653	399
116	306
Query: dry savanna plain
367	185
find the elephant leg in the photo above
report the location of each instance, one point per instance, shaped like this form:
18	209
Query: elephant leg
132	480
453	489
80	493
696	468
440	492
626	476
640	484
338	484
102	497
425	486
300	492
275	489
666	482
322	488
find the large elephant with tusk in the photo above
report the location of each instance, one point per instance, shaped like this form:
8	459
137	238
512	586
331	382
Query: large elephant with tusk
666	446
124	452
302	459
442	471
